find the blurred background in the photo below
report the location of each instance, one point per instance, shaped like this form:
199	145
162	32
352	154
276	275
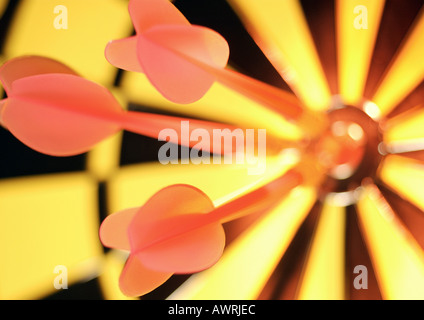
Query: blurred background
51	208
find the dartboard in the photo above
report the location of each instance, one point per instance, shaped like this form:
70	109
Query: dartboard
336	85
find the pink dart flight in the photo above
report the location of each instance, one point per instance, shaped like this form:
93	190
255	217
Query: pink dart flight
178	230
54	111
182	60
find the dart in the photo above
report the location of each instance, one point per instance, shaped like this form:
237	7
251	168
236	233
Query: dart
182	61
357	234
178	230
54	111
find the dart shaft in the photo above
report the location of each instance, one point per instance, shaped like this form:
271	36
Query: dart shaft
257	199
222	138
269	96
254	201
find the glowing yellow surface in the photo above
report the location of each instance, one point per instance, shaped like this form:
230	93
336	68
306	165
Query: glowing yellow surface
134	184
103	159
355	46
247	263
47	221
406	71
281	31
397	259
406	177
404	128
219	104
3	5
91	25
324	273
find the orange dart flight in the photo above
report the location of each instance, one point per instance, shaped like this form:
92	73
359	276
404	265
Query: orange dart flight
182	60
54	111
178	230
